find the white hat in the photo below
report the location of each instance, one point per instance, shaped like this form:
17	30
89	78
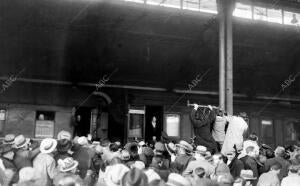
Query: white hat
152	175
20	141
185	145
142	143
26	174
48	145
114	174
138	164
201	149
247	175
177	180
64	135
82	140
67	164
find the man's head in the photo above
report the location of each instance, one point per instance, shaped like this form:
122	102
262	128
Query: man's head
230	155
78	118
276	168
217	158
279	151
293	169
250	151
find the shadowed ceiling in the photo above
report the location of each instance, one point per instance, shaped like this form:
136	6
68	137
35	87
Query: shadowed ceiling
80	41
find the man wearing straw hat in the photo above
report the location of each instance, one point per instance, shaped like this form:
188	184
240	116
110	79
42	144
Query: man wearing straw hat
184	156
23	156
44	163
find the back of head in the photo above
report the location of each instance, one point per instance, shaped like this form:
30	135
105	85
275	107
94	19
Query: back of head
279	151
199	172
294	169
249	149
113	147
253	137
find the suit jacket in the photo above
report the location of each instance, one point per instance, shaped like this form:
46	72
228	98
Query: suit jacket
235	167
84	157
250	164
202	128
23	158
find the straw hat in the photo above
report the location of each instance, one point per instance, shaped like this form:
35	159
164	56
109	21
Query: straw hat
9	139
177	180
20	141
185	145
82	140
134	177
201	150
67	164
48	145
247	175
64	135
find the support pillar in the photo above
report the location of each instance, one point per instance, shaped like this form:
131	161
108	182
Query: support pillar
225	9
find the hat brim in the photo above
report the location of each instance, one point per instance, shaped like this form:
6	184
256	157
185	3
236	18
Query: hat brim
70	168
27	140
247	178
8	143
183	146
51	149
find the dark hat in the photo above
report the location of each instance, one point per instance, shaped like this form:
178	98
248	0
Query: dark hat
135	177
159	148
148	151
64	145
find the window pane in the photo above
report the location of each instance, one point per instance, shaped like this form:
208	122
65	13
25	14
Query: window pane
292	131
267	128
260	13
291	18
209	6
242	10
165	3
191	5
172	125
274	15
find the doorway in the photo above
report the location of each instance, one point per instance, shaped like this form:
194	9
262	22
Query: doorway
154	122
83	121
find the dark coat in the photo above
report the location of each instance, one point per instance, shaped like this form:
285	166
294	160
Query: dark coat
235	167
61	155
23	158
202	125
284	163
180	163
84	157
250	164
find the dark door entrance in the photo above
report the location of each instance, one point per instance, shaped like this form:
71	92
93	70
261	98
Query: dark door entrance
154	122
83	120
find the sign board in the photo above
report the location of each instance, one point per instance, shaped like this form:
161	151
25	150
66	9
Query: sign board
44	129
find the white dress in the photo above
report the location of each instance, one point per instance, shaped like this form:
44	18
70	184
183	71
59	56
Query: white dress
234	136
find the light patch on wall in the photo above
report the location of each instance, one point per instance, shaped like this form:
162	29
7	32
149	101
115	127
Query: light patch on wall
172	125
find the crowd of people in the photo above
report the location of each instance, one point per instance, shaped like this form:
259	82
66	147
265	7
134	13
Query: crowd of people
218	156
76	162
